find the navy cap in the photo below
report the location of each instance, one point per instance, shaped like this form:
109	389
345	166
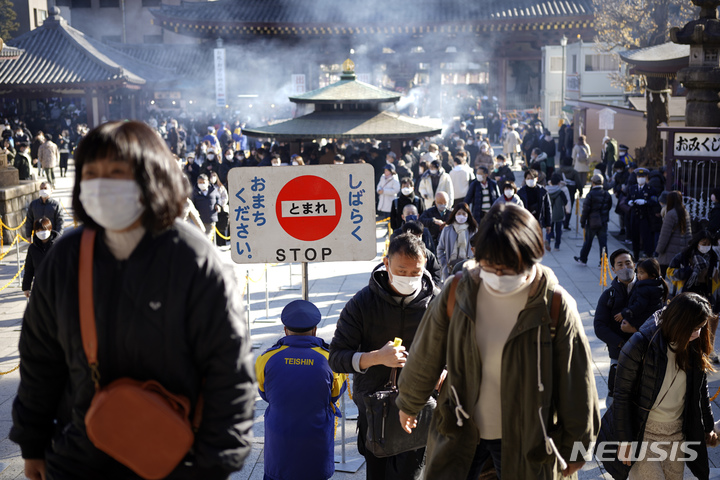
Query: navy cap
300	315
641	172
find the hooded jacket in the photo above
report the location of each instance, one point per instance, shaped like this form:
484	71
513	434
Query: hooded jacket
425	188
538	372
640	373
647	297
35	255
369	320
170	313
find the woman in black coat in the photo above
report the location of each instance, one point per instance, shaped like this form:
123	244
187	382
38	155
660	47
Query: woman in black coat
43	239
661	395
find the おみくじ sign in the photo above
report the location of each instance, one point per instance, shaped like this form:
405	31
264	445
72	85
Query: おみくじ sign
312	213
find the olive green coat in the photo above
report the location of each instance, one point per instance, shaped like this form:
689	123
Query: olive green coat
566	393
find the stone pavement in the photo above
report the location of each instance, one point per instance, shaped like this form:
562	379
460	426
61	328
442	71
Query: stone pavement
331	286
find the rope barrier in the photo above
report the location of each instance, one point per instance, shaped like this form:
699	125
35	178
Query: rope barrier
716	395
3	255
10	371
13	278
221	235
68	214
13	229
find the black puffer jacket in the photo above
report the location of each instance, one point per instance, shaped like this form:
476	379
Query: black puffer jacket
170	313
371	319
640	375
612	301
596	201
35	254
646	298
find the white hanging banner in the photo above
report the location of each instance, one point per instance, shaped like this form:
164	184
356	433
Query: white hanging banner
220	99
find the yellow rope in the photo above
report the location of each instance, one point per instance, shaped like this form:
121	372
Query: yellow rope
10	371
16	228
66	213
221	235
3	255
382	221
25	239
13	279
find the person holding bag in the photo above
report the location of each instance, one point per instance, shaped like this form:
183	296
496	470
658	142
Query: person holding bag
661	396
519	386
164	321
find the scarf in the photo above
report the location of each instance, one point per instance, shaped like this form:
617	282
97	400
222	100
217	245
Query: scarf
460	250
700	264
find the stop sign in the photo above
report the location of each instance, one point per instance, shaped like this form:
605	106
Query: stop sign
308	208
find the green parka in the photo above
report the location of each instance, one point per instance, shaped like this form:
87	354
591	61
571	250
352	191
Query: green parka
555	381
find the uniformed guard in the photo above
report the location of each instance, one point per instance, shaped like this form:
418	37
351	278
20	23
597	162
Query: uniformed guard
301	390
643	201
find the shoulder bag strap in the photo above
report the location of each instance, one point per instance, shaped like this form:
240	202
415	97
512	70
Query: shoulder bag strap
555	310
451	296
88	330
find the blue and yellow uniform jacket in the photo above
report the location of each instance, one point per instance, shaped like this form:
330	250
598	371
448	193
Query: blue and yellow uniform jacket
301	390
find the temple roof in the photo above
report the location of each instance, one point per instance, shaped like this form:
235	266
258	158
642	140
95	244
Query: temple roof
383	125
56	55
9	52
347	90
664	59
342	17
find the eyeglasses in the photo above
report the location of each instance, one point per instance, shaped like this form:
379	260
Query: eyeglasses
498	271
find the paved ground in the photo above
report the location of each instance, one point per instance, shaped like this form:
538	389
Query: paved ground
331	285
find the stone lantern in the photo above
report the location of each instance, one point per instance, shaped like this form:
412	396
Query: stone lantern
702	77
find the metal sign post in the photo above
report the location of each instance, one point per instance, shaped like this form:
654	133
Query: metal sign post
343	463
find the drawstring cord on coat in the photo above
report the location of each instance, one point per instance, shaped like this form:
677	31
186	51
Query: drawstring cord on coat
550	447
458	408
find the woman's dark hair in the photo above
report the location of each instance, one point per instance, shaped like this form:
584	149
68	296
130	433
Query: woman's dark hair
704	234
652	268
675	202
532	173
509	235
218	183
412	227
471	220
42	223
683	315
508	184
163	189
406	244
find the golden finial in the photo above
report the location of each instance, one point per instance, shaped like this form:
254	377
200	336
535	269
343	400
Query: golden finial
348	66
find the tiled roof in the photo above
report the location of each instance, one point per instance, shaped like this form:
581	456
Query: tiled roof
348	89
56	54
383	125
351	13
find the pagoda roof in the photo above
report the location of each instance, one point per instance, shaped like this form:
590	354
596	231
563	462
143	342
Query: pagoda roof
664	59
57	56
347	90
382	125
342	17
8	52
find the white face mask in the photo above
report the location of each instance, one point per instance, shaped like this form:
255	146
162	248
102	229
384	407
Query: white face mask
203	149
294	162
441	207
213	180
461	218
641	181
43	234
45	193
625	274
203	186
509	193
704	248
407	191
481	178
112	204
713	198
228	157
405	285
531	182
433	171
210	156
503	283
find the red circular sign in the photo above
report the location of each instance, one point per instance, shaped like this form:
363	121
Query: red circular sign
308	208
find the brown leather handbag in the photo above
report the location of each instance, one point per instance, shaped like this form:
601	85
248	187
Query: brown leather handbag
139	424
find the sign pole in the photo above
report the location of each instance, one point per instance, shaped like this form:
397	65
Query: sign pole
305	283
343	463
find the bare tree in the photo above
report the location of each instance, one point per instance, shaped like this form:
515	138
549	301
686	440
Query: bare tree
631	24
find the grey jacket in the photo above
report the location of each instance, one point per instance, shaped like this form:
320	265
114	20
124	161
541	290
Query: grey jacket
671	240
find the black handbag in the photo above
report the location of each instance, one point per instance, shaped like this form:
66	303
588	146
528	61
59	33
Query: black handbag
385	436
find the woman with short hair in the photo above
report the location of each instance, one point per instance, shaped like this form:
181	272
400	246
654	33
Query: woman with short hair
454	244
165	308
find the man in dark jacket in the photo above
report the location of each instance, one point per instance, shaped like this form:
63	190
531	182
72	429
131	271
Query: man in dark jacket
612	301
434	218
206	199
22	162
535	199
482	193
406	197
44	207
595	217
644	202
391	306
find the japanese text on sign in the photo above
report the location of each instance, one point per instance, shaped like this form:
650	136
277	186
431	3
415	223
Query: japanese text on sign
697	144
246	212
